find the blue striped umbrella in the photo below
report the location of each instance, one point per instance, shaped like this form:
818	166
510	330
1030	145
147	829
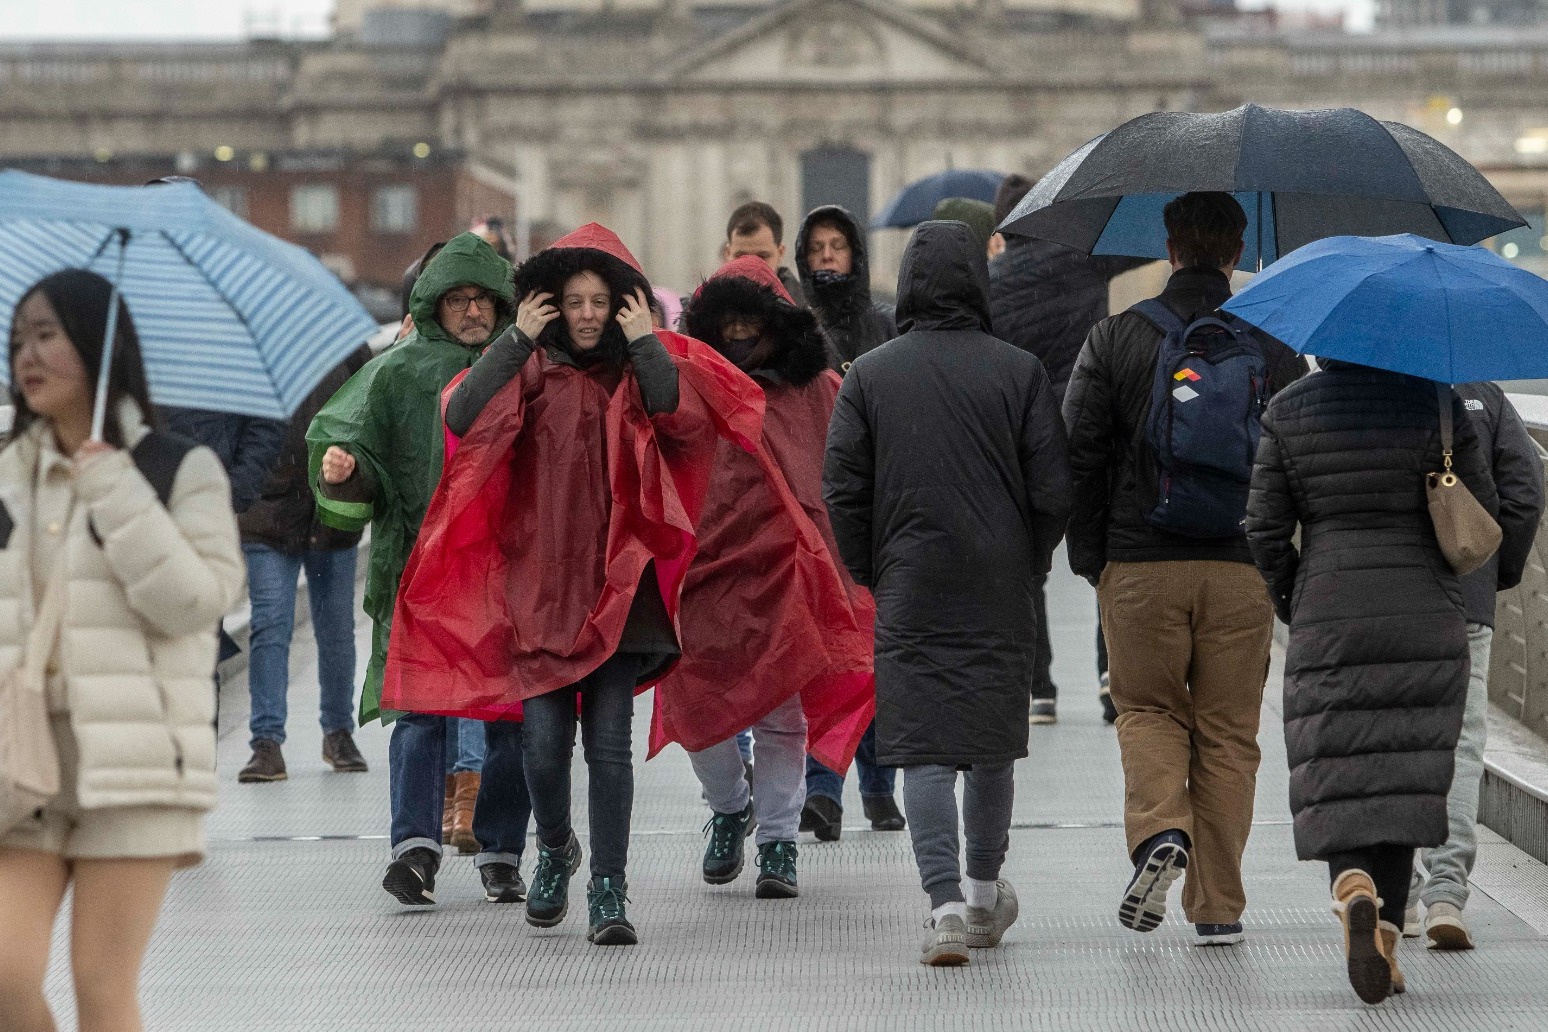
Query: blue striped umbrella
229	318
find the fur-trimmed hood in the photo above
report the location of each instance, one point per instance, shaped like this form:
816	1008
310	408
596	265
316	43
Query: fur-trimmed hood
592	248
748	286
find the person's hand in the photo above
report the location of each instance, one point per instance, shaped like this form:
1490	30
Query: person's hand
338	465
405	329
534	313
635	318
89	452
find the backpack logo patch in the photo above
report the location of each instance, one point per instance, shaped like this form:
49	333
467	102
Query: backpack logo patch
1186	374
1185	393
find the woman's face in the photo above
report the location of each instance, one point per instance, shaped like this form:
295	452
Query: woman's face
47	369
587	305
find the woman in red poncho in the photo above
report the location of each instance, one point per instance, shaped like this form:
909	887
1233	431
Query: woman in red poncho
548	572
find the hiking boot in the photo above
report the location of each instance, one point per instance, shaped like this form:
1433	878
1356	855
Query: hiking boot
1355	902
946	943
823	817
1444	928
1158	863
1105	697
341	753
985	928
1044	711
464	796
883	813
267	764
608	915
1390	935
777	870
411	877
1218	934
548	899
448	808
1413	927
725	852
502	883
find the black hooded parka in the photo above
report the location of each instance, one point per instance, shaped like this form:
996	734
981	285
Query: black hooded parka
853	322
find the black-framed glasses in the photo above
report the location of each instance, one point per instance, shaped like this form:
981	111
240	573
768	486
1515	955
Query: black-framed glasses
460	302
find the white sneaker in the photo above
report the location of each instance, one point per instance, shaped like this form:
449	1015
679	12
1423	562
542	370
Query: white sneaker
1412	926
946	944
1444	928
985	928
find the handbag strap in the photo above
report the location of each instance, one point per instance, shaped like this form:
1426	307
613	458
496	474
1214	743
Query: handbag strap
45	628
1443	396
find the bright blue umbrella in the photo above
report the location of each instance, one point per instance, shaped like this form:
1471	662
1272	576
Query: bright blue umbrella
1445	312
916	202
229	318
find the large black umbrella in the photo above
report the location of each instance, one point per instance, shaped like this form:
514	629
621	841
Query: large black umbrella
1300	175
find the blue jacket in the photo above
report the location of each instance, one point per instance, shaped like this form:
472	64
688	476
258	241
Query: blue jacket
247	446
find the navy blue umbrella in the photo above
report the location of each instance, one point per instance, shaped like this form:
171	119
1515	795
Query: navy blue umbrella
1299	175
916	202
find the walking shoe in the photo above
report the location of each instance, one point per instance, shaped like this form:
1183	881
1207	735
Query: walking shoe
341	753
1390	935
605	902
824	817
1159	862
1043	712
1105	697
448	808
267	764
1218	934
411	877
985	928
1355	902
548	899
1412	926
883	813
1444	928
725	852
777	871
946	943
464	798
502	883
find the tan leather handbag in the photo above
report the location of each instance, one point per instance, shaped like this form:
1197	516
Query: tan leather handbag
29	761
1467	534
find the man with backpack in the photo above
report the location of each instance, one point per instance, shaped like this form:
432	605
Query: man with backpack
1163	413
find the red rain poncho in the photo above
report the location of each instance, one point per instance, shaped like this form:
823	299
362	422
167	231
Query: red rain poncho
768	611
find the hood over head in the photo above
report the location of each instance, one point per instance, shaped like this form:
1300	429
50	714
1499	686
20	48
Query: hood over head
943	283
466	260
747	286
591	248
979	215
859	279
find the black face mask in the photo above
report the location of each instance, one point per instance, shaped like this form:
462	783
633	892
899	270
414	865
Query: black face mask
829	277
738	350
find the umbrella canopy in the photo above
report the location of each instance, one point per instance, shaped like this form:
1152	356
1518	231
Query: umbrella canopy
229	318
1404	303
1299	175
916	202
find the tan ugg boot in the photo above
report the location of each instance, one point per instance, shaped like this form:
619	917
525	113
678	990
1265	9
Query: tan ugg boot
1355	902
1391	935
462	811
447	804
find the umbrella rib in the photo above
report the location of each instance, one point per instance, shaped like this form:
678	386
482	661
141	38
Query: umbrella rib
104	245
278	395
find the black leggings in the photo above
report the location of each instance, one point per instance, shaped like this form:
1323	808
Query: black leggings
1390	867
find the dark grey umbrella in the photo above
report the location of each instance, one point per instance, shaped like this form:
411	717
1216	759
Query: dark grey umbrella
1300	175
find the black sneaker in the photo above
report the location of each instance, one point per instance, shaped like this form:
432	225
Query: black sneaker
777	870
1218	934
267	764
1105	697
883	813
340	753
502	883
606	900
411	877
548	900
1157	864
823	817
1044	711
724	853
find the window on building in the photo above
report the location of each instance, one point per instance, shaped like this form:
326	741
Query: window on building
314	208
232	198
837	175
395	209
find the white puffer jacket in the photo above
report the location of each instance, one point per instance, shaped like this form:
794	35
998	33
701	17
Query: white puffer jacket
146	592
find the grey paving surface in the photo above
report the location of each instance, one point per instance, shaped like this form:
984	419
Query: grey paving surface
281	932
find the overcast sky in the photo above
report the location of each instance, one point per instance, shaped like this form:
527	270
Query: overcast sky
230	19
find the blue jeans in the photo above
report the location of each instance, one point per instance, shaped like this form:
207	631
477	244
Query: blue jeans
875	782
465	748
416	760
271	586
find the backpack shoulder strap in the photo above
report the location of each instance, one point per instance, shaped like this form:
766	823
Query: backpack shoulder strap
1156	312
158	457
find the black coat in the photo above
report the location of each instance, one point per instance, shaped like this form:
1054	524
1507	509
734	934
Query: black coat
246	445
946	481
1113	469
1518	479
1377	666
853	322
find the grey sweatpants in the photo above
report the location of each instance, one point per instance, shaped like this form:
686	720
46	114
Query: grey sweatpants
930	803
1450	864
779	773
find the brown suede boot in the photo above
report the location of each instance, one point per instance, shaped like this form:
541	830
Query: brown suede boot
462	811
1391	935
1355	902
448	806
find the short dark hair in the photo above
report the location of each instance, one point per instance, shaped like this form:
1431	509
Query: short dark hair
1205	229
1011	191
753	216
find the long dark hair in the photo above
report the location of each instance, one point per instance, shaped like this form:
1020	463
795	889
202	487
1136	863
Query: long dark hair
80	299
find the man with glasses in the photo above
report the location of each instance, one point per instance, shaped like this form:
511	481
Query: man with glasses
376	453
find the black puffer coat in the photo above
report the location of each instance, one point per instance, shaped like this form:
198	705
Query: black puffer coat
853	322
1377	667
948	488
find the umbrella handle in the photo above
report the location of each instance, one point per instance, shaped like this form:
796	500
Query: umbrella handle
109	337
